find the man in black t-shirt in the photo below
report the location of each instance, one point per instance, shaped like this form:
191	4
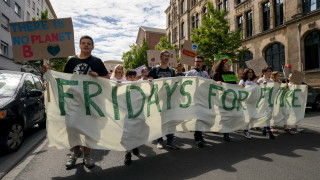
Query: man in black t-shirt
163	71
84	63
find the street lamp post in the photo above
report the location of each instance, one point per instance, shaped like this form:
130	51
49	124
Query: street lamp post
299	46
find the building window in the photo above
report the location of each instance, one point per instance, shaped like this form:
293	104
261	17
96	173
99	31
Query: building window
310	5
182	7
174	34
174	14
220	6
266	16
37	12
4	49
249	23
28	3
28	16
312	50
169	20
246	57
33	6
5	22
169	37
193	2
195	21
17	9
239	1
226	5
278	12
275	56
240	23
7	1
182	30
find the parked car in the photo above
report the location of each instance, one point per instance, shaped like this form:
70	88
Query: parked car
21	107
313	99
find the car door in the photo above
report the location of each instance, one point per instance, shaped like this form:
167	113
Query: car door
31	104
40	99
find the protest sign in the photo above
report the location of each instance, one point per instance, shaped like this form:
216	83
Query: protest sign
154	58
257	65
138	69
297	77
102	114
35	40
187	55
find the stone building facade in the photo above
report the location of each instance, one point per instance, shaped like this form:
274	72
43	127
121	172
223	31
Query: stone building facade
280	32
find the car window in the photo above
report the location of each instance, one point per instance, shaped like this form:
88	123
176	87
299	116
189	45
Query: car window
29	83
8	84
38	83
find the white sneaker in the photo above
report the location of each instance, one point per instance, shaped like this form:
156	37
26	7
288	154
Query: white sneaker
299	130
160	145
247	135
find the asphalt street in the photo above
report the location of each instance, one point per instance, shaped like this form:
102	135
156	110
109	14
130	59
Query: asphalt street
288	157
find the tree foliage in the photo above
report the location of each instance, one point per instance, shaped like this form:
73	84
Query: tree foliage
214	36
164	44
136	57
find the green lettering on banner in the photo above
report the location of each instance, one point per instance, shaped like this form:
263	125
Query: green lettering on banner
62	95
262	95
281	92
286	102
184	93
115	103
87	97
295	98
239	106
156	101
213	86
224	97
270	97
229	77
170	93
129	105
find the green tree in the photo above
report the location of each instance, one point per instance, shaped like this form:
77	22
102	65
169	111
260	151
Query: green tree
136	57
164	44
214	36
57	64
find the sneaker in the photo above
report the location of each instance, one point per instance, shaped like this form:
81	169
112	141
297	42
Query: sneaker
88	161
127	159
287	131
199	144
270	135
172	146
73	158
226	138
199	141
247	135
135	151
299	130
160	145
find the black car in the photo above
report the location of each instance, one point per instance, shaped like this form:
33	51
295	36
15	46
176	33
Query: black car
313	99
21	107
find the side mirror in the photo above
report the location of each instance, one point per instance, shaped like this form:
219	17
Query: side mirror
34	93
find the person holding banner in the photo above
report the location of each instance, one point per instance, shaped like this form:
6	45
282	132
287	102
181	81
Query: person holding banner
275	76
223	74
163	71
266	74
144	74
197	71
179	70
84	63
118	74
248	78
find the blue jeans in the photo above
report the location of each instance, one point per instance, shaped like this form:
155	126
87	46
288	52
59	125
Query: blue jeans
169	138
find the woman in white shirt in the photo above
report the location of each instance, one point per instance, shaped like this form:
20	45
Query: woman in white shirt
118	74
248	78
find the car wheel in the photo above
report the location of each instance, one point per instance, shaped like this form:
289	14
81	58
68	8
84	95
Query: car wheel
316	105
13	139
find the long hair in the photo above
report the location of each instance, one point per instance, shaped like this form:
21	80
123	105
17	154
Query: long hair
114	71
274	74
245	74
219	66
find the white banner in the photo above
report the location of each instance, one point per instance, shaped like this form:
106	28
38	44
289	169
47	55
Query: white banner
102	114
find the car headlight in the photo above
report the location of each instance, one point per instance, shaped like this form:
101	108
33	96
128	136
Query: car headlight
3	114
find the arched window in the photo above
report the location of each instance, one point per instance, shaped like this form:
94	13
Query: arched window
246	57
310	5
182	30
275	56
312	50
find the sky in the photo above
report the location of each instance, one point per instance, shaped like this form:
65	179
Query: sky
113	24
